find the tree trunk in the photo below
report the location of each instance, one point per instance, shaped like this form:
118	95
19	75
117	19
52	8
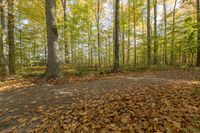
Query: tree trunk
11	37
116	41
135	47
53	67
123	35
173	33
109	49
2	42
98	32
165	38
155	34
64	4
198	34
148	33
129	32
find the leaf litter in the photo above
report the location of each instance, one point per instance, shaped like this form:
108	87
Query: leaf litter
158	106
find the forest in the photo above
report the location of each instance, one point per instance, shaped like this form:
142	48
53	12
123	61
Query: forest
100	66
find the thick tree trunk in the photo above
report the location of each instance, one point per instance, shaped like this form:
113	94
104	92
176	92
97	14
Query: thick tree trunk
116	39
155	34
53	68
173	33
148	33
11	37
198	34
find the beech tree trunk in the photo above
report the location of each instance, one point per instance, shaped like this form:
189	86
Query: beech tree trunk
198	34
11	37
173	33
98	32
64	4
148	33
129	33
116	38
134	30
155	61
2	35
123	35
165	28
53	67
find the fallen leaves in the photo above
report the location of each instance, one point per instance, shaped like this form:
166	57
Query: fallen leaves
128	110
149	105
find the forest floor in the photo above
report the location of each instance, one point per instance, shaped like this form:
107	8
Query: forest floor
157	101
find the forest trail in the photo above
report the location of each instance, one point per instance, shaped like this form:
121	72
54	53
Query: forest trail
21	108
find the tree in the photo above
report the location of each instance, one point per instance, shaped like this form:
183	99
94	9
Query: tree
98	14
116	37
134	28
53	67
173	33
2	42
129	32
165	32
148	33
198	32
123	33
11	43
155	34
64	5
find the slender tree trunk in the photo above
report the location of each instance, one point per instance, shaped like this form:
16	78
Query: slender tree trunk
109	49
116	43
64	4
45	49
53	67
135	47
89	43
155	34
173	33
129	32
148	33
98	33
11	37
198	34
123	35
2	42
165	36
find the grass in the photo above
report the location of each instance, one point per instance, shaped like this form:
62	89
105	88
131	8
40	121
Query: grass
69	70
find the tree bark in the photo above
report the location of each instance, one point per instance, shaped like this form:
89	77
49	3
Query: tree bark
2	42
155	34
173	33
53	67
129	32
165	28
135	47
116	39
148	33
11	37
64	4
198	33
123	35
98	32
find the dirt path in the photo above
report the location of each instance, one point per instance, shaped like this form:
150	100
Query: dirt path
21	106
